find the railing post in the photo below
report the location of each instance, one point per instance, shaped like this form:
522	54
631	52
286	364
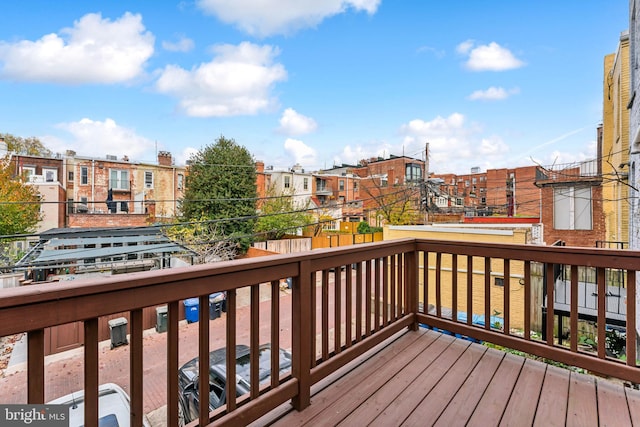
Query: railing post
412	283
301	334
35	367
91	372
136	368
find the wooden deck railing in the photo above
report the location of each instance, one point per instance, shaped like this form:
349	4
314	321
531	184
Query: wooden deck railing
343	302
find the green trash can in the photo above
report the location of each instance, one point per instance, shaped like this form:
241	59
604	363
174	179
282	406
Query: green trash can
161	319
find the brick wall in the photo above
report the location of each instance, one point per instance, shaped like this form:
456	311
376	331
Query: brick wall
583	238
108	220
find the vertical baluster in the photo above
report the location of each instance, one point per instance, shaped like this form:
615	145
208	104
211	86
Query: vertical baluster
438	284
313	325
454	287
550	285
469	290
359	301
376	293
527	300
387	290
402	270
348	306
507	296
337	310
367	298
203	358
602	311
487	293
231	349
35	366
325	315
254	339
573	321
425	282
136	367
172	363
275	333
91	372
631	317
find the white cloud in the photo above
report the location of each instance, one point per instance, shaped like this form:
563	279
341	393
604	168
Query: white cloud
268	17
294	123
455	146
464	47
186	154
493	94
94	50
99	138
238	81
491	57
300	152
184	44
438	53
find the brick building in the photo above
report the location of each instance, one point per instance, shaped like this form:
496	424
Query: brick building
572	203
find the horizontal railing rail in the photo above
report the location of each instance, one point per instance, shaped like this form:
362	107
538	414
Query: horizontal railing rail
341	303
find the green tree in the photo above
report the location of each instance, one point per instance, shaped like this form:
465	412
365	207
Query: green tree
363	227
221	185
19	203
26	146
279	216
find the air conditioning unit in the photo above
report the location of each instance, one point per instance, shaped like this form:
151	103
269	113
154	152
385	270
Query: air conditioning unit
111	157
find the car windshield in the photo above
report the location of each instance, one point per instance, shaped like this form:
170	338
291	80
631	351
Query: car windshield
243	365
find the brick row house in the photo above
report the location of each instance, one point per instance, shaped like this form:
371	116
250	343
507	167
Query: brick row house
103	192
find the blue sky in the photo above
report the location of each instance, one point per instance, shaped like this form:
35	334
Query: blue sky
491	84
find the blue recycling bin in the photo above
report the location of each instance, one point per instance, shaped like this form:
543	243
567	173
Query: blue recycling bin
191	310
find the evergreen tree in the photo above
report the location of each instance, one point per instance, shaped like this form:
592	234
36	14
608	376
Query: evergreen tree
221	185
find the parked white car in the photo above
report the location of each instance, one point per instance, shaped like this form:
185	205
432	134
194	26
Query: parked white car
114	407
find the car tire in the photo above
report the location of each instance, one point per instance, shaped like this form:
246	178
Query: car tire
181	422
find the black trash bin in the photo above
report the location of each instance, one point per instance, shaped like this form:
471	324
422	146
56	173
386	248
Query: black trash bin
216	301
118	331
161	319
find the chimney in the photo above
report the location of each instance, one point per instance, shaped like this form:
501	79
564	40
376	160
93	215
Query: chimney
164	158
259	166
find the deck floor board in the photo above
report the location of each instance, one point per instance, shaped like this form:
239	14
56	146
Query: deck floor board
433	379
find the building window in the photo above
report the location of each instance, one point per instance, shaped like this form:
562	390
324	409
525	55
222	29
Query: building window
305	184
180	181
50	175
412	172
341	185
83	206
148	179
84	175
70	176
70	208
119	179
28	172
499	281
572	208
287	182
355	186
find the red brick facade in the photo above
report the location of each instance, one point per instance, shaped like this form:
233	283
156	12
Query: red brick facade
108	220
583	238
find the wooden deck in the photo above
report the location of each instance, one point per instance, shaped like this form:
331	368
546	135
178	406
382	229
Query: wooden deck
426	378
